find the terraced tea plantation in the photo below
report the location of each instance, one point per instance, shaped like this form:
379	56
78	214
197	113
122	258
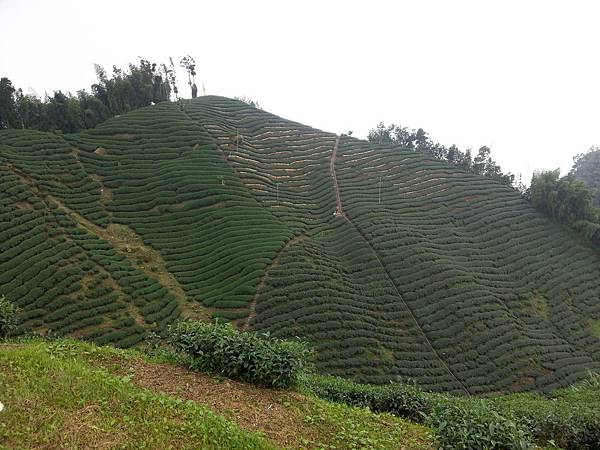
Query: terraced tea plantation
395	266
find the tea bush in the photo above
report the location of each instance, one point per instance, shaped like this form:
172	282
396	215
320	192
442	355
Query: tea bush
400	399
222	349
570	418
8	317
471	424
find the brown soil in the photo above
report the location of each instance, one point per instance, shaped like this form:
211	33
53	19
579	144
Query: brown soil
253	408
24	205
339	212
100	151
124	136
105	193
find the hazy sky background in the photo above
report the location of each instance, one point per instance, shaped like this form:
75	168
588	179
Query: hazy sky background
522	77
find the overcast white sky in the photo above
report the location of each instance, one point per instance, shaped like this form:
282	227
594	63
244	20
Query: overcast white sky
522	77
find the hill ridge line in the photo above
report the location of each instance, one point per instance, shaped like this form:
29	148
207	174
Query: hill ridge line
340	213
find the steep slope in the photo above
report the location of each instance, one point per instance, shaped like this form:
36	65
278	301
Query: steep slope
477	292
395	266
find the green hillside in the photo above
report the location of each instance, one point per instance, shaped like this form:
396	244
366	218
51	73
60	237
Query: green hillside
395	266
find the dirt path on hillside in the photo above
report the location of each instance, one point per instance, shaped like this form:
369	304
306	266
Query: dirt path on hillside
339	212
141	256
263	280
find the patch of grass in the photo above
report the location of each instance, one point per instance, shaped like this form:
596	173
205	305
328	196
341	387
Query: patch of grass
70	394
336	426
538	306
53	399
595	327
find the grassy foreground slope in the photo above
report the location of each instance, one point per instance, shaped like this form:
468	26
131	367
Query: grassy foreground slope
393	265
68	394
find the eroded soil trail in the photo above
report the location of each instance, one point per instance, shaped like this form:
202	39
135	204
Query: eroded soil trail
263	280
338	199
286	417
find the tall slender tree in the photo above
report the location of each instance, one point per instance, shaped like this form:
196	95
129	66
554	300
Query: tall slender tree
8	113
189	64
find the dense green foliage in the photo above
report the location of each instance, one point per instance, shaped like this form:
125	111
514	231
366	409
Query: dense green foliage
419	140
8	317
221	349
586	167
472	425
400	399
140	85
568	200
459	424
570	418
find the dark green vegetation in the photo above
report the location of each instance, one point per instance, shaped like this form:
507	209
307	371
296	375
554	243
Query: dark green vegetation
567	200
419	140
586	167
8	318
123	90
223	350
212	208
570	418
69	394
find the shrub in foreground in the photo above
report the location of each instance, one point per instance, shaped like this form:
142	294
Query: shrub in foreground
8	317
473	425
254	358
569	417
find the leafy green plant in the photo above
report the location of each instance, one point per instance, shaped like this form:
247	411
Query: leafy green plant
8	317
220	348
569	418
473	425
403	400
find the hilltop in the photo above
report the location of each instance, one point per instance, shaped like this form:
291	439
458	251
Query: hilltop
394	265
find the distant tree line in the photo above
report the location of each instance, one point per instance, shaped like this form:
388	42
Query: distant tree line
572	199
116	93
586	167
419	140
248	101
